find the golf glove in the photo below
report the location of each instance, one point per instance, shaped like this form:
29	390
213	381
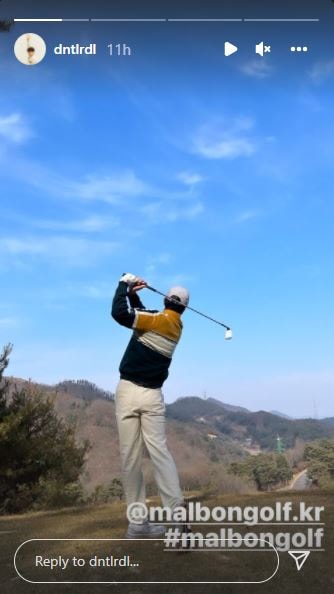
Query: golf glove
130	279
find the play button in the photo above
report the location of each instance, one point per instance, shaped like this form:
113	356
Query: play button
229	48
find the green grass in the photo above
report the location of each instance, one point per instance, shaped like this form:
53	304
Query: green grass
108	521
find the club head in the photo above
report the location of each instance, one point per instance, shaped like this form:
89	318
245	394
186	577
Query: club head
228	334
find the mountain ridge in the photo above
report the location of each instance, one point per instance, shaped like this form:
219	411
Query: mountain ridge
203	435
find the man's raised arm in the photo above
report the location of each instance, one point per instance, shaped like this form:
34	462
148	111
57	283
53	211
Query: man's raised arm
121	310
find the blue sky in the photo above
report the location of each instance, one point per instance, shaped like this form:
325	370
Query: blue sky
181	166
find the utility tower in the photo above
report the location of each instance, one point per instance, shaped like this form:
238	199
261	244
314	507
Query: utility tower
279	445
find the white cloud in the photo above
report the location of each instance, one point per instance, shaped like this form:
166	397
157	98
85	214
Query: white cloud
179	279
101	290
321	71
156	261
160	212
123	189
247	215
228	148
225	141
256	68
116	188
87	225
14	128
110	189
67	251
190	179
9	322
188	213
14	246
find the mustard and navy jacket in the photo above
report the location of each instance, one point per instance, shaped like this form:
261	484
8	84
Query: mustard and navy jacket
155	336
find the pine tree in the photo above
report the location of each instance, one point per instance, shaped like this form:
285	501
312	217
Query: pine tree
4	361
40	461
319	456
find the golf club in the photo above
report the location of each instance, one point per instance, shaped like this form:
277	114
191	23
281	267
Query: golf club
228	333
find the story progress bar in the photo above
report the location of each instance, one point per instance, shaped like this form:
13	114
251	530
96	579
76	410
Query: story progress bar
186	20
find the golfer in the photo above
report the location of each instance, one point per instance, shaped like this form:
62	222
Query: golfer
140	408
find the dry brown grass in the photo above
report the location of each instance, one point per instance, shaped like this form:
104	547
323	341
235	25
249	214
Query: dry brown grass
108	521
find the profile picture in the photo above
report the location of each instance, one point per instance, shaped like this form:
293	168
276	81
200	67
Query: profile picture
30	49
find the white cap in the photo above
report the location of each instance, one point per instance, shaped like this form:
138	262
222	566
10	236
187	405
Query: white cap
181	293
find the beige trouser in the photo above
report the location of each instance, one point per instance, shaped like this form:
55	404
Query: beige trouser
140	414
